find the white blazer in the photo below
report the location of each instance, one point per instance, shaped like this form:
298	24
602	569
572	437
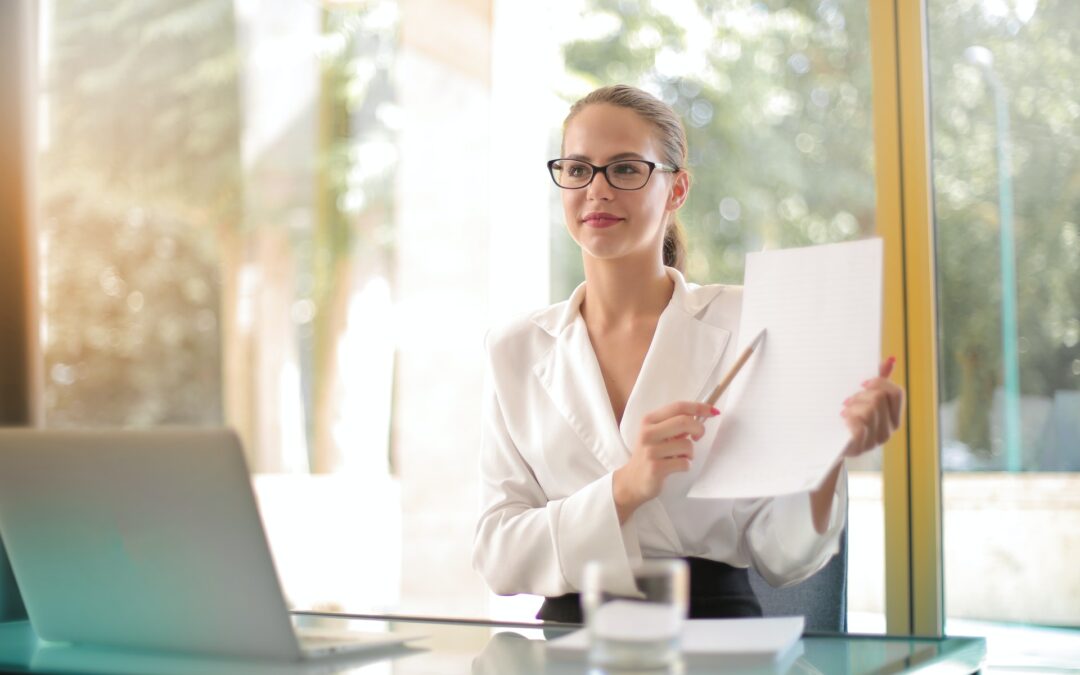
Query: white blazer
550	444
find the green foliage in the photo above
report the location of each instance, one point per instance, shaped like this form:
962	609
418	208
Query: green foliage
777	107
776	97
1035	63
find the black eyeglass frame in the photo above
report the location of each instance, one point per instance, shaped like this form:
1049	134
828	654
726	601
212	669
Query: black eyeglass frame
653	166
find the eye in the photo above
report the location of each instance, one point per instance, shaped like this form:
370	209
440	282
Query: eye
627	168
575	170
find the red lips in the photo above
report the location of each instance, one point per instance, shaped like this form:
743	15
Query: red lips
600	219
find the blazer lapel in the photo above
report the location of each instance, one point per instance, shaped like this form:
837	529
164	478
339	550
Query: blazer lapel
680	365
684	353
571	376
681	359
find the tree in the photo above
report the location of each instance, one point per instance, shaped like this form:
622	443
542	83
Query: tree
776	97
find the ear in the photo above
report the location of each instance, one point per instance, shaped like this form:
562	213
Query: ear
680	189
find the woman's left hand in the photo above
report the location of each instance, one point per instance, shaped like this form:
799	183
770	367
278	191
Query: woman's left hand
873	414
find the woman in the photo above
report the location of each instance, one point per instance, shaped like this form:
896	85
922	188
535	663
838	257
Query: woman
592	430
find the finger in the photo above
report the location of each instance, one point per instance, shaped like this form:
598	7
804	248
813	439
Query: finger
866	397
673	427
679	447
884	430
871	398
690	408
879	432
866	439
861	425
886	367
675	465
881	429
856	398
876	383
877	416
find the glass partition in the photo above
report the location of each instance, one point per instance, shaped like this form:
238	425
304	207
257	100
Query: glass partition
252	213
1006	161
776	99
216	206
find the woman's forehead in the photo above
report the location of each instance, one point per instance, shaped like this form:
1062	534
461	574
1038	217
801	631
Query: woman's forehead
601	131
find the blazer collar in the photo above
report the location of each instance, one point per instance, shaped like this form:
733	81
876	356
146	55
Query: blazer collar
690	297
684	353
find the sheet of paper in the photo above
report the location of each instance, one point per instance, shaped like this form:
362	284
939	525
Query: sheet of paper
765	639
780	430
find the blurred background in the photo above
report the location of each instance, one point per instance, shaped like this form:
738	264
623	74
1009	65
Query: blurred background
299	218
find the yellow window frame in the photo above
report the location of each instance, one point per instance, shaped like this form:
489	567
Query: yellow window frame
914	603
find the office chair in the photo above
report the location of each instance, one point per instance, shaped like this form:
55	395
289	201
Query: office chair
822	598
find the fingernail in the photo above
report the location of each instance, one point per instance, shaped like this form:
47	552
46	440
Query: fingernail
892	360
867	383
847	400
714	411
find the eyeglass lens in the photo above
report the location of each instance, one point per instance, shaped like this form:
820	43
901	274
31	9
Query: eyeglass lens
628	175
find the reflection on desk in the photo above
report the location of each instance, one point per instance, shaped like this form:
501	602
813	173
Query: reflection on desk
510	652
482	648
21	651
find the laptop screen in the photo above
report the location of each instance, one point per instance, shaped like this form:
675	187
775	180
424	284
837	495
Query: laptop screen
11	605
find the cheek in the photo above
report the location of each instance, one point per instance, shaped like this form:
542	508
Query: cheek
651	204
571	202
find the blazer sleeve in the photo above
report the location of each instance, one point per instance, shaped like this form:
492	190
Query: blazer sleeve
526	543
780	539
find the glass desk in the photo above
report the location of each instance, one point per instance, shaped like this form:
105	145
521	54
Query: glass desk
478	647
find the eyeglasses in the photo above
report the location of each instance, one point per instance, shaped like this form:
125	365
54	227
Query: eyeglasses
626	174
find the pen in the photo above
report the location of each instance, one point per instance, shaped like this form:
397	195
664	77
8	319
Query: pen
739	363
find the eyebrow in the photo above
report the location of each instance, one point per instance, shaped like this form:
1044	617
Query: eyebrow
615	158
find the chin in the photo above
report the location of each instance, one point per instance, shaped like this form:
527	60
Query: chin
602	246
610	253
602	250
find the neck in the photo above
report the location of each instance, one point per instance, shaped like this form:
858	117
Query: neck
618	292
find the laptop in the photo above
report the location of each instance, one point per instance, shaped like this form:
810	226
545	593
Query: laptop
149	540
11	606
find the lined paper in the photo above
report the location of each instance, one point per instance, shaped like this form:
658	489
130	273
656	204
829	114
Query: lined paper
781	430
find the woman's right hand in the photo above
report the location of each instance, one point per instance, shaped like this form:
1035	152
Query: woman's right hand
665	445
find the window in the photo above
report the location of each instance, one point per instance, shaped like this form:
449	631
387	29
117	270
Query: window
776	102
1006	153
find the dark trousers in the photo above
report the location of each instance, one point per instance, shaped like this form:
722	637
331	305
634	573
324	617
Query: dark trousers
717	591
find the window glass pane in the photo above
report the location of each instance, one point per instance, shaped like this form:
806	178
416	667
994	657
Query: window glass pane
1006	160
216	187
140	168
253	214
776	100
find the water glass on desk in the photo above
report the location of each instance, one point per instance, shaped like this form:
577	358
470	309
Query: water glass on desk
639	630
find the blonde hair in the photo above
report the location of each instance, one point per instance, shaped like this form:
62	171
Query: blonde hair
672	137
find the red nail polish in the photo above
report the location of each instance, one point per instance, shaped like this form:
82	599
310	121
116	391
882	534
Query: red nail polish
714	411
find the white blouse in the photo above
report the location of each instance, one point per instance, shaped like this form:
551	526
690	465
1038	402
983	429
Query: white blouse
550	444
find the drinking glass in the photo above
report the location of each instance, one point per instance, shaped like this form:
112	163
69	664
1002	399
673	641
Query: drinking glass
635	629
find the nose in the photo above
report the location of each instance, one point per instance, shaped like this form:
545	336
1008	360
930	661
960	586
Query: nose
600	188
